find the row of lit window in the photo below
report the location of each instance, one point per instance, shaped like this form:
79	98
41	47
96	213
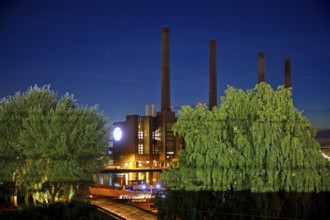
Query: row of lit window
156	149
140	134
140	148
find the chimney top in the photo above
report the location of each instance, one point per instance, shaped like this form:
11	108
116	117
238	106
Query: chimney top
212	75
165	69
287	73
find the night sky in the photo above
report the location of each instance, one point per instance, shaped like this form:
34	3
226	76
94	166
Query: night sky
108	52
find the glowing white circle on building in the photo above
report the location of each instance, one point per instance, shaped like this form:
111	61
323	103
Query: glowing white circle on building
117	134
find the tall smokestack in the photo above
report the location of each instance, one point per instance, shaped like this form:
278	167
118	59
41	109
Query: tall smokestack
261	68
287	73
213	75
165	84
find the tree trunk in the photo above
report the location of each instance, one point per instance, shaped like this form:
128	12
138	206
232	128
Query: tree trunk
54	192
53	196
71	192
26	199
13	200
34	200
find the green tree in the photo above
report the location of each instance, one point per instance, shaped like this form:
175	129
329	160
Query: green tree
255	142
49	145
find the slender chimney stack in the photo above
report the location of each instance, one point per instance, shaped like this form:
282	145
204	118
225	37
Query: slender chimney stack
147	110
287	73
165	84
153	110
213	75
261	68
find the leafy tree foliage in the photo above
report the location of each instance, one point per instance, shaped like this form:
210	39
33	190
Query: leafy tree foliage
48	145
254	156
255	141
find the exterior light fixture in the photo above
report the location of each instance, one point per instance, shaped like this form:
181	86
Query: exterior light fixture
117	134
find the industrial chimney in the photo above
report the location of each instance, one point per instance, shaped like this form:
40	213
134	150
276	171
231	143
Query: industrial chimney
165	83
147	110
261	67
153	110
287	73
213	75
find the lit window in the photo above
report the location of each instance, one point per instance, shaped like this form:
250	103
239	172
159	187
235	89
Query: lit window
156	147
140	134
140	148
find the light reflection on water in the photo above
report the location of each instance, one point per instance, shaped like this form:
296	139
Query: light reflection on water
122	178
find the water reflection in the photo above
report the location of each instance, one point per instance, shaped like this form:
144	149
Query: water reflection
122	178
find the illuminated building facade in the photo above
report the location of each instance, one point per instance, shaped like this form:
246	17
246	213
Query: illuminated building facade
146	142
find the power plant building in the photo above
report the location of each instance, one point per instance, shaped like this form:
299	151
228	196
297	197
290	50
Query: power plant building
143	145
148	141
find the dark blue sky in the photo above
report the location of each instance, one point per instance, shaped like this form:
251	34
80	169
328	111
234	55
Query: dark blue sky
108	52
